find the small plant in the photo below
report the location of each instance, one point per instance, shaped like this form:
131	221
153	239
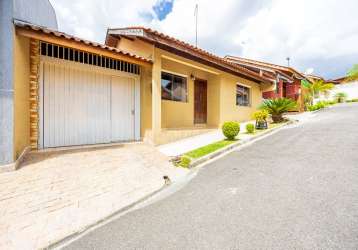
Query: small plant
340	97
260	115
317	106
250	128
231	129
332	102
352	100
277	107
184	161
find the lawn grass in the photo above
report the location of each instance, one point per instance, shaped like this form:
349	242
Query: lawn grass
199	152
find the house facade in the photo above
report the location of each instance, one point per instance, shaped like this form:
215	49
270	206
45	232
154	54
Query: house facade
187	88
287	80
140	85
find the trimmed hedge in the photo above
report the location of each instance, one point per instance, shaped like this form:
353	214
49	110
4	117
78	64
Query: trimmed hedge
250	128
231	129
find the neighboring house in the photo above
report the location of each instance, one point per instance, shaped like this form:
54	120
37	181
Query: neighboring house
342	85
187	87
142	85
287	80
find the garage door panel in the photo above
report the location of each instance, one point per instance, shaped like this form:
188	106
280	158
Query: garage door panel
122	109
76	106
84	106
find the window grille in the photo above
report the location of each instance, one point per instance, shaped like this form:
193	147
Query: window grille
64	53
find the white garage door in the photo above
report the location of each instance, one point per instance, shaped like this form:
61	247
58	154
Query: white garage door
85	106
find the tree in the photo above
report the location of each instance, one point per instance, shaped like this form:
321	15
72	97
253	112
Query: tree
315	89
352	74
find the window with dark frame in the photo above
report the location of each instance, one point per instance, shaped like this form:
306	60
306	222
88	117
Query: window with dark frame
174	87
242	96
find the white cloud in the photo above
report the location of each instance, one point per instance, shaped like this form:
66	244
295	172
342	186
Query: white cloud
320	34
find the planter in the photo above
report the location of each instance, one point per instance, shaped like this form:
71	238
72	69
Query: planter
277	118
261	125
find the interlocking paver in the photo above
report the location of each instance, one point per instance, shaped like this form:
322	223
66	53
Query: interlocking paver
55	194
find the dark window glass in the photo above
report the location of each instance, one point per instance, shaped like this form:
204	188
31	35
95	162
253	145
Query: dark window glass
66	54
43	49
85	58
55	51
76	56
49	49
60	51
242	95
174	87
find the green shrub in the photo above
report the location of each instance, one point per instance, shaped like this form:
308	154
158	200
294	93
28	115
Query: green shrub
260	115
332	102
352	100
231	129
277	107
340	97
250	128
184	161
317	106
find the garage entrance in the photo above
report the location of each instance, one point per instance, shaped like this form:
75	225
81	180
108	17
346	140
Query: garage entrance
85	104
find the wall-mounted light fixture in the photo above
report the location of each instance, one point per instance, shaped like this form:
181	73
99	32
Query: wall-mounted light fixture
192	77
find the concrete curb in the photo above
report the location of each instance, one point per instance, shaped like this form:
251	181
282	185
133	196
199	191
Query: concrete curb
69	238
235	145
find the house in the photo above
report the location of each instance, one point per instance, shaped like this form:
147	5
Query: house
343	85
287	80
186	87
139	85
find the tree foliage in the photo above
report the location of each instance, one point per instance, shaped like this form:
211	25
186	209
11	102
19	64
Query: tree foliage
352	74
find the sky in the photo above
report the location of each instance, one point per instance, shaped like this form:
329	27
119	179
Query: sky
319	36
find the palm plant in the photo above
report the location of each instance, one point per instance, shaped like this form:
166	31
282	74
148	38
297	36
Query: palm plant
353	73
277	107
315	89
340	97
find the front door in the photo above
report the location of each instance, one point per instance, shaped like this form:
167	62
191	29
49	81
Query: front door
200	101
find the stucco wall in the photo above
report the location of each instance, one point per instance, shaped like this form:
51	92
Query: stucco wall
6	82
21	94
38	12
350	88
181	114
229	111
137	47
146	99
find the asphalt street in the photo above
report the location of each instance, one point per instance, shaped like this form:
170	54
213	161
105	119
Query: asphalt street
296	189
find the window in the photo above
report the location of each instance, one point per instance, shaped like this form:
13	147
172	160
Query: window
242	95
174	87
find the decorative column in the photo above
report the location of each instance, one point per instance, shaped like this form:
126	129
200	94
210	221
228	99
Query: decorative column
156	98
34	92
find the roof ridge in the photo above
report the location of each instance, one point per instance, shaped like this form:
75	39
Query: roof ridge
195	48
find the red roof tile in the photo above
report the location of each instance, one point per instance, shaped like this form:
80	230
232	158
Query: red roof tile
56	33
160	39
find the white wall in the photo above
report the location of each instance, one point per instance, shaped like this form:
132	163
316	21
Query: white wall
350	88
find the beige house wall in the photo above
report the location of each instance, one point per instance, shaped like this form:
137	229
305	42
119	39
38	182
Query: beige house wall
21	94
228	109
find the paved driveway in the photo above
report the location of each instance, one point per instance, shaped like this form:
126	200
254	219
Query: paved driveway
297	189
59	193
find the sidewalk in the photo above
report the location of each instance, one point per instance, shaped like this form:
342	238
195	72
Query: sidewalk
56	194
191	143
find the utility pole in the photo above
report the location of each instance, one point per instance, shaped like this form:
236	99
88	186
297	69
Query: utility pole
196	24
